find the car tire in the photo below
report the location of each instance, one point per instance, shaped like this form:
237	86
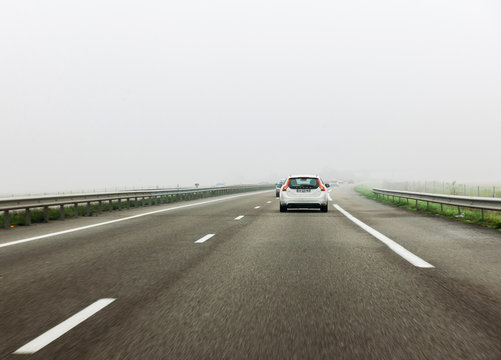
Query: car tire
324	208
277	193
283	208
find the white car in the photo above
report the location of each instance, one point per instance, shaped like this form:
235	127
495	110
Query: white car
304	191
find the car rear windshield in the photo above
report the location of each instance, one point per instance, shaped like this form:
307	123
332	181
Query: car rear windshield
303	183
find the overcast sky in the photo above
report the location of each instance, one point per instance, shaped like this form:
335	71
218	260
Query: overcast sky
105	93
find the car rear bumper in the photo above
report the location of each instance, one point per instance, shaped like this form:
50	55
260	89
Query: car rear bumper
303	202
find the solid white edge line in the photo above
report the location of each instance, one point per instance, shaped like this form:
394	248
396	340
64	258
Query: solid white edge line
16	242
59	330
204	239
399	249
239	217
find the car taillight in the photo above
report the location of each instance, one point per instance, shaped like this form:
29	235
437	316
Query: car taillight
286	185
322	188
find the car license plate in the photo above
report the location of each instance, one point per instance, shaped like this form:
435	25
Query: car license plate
304	190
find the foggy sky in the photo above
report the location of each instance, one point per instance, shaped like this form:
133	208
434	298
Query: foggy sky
114	93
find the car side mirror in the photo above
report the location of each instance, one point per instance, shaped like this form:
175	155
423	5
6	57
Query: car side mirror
327	185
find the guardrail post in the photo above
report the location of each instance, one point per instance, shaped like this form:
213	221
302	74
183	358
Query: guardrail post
119	204
100	207
441	207
128	203
482	214
110	205
28	216
156	200
459	210
75	210
88	208
61	212
142	201
135	202
149	201
46	214
6	219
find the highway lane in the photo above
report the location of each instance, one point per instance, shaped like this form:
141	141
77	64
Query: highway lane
298	285
467	254
49	278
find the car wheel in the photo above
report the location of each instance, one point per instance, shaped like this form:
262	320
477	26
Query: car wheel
283	208
277	193
324	208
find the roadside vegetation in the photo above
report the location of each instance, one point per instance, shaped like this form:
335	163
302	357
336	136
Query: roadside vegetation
18	218
491	219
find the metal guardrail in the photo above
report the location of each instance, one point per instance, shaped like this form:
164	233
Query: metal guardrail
150	197
474	202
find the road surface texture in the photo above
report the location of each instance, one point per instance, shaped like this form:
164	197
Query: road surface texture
266	285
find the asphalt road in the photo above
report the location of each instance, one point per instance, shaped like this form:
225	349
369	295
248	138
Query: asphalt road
271	285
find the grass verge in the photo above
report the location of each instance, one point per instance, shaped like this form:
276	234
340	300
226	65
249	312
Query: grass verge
18	218
491	219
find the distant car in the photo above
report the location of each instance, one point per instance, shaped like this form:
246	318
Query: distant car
278	185
304	191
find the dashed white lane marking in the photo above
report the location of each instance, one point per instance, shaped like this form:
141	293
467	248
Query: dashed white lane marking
16	242
239	217
268	202
400	250
257	207
329	197
59	330
204	239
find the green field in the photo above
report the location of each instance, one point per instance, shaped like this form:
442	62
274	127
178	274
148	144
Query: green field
491	219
